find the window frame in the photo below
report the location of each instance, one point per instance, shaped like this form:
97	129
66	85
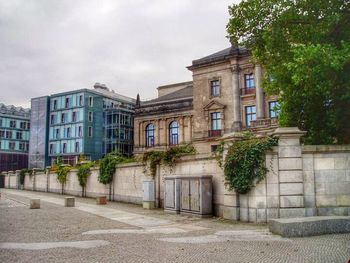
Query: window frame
249	116
174	137
248	80
215	87
271	111
150	135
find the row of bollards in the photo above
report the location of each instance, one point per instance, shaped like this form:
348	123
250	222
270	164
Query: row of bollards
68	202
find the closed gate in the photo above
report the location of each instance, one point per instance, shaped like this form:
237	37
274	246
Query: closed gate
190	195
2	181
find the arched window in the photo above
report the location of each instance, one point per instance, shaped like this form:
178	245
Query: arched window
173	133
150	130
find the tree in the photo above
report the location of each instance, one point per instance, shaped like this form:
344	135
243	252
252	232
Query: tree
304	47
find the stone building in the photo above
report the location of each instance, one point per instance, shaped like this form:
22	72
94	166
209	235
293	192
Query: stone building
225	96
228	97
166	120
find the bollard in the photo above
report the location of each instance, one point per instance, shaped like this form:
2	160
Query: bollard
101	200
34	204
69	201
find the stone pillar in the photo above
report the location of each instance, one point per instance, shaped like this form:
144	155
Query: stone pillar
260	105
182	130
237	123
157	135
141	135
231	209
290	168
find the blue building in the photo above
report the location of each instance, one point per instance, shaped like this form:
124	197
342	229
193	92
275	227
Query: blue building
89	122
14	137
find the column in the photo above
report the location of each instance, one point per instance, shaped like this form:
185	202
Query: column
182	130
237	123
290	169
157	140
260	106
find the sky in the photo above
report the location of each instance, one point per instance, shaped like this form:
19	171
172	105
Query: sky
133	46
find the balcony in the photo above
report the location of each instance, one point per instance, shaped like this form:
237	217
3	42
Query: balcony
247	91
214	133
264	123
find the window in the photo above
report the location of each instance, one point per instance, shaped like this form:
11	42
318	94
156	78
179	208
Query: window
68	132
173	133
215	118
22	125
19	136
77	148
13	124
53	119
274	109
27	147
64	149
90	131
80	100
67	103
63	117
0	122
51	148
74	116
150	131
250	114
12	145
21	146
57	136
54	104
28	125
9	134
80	131
90	116
249	81
2	134
216	121
215	88
91	101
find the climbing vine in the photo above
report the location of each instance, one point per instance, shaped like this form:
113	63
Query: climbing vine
244	164
61	170
83	174
169	158
108	166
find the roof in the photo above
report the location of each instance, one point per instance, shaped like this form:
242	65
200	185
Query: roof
176	95
13	110
219	56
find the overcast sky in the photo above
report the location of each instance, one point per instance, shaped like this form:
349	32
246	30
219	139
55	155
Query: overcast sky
132	46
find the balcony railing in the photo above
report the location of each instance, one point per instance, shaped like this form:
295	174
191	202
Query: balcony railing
263	123
246	91
214	133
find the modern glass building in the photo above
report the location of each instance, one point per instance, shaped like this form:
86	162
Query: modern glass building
14	137
88	122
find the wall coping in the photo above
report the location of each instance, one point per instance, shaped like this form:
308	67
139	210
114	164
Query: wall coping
325	148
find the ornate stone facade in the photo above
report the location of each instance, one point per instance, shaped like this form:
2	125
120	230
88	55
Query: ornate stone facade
228	97
166	120
225	96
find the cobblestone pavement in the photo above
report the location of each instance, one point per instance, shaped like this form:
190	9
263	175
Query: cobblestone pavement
126	233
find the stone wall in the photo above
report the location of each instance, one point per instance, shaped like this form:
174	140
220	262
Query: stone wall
301	181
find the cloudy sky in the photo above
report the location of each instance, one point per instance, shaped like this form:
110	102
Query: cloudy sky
133	46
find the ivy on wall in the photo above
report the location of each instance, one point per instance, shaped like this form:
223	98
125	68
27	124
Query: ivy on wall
168	158
108	166
244	164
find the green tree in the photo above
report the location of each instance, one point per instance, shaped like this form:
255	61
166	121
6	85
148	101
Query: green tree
304	47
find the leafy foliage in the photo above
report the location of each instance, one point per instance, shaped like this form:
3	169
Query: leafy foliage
108	166
245	163
168	158
62	171
304	47
83	173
